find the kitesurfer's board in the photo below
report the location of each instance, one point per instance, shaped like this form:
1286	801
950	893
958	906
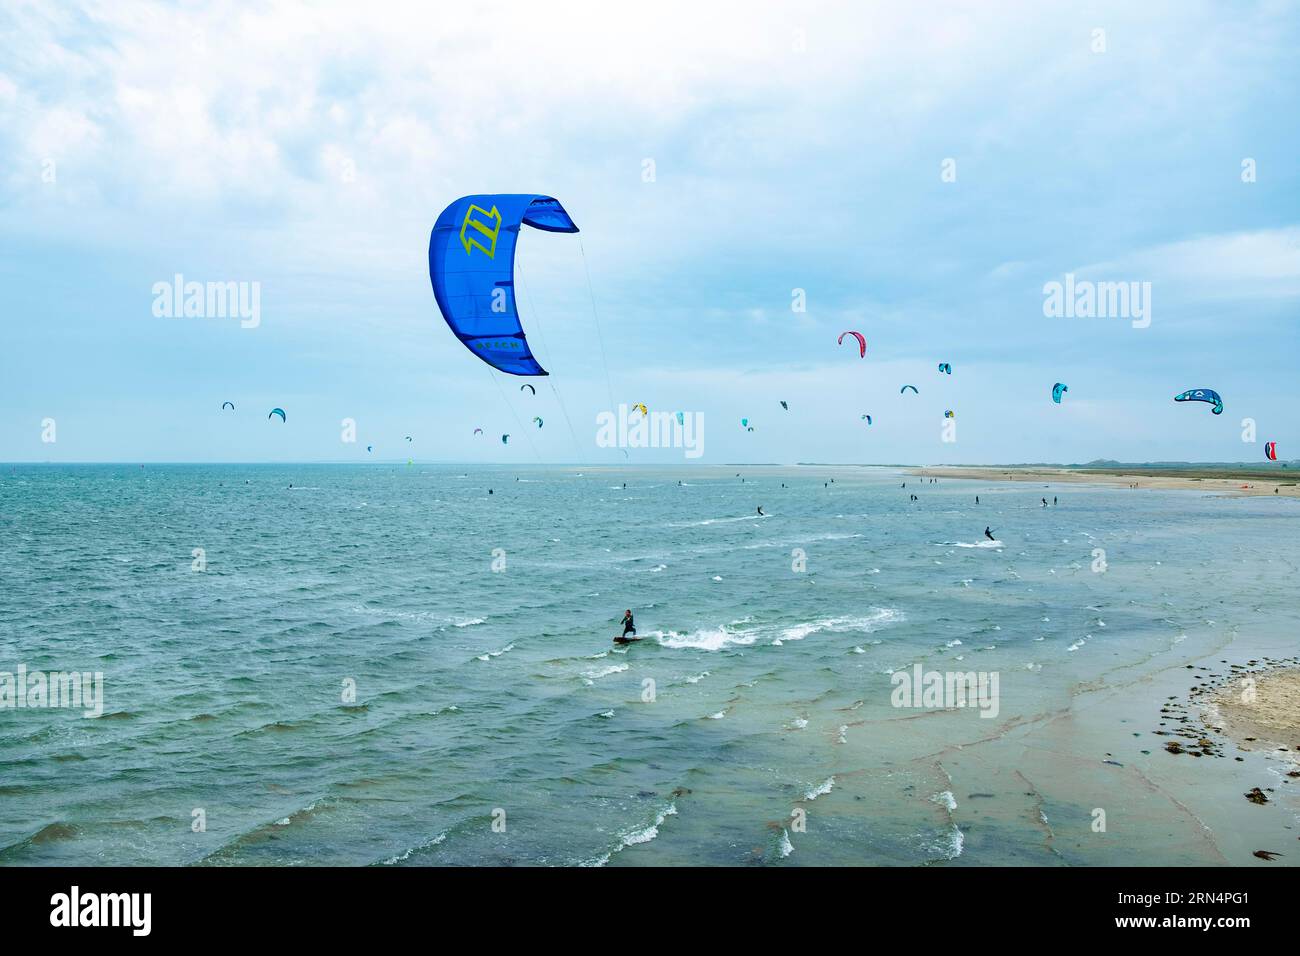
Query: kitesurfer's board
626	640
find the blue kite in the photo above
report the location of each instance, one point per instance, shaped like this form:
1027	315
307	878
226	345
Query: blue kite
472	268
1208	395
1058	390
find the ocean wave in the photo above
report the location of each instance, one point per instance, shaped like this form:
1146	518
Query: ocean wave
707	639
709	521
820	790
427	844
595	674
636	837
741	633
878	618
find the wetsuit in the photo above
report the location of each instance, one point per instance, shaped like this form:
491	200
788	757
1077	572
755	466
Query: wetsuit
628	626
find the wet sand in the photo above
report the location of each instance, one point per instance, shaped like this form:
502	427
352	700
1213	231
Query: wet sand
1224	483
1259	710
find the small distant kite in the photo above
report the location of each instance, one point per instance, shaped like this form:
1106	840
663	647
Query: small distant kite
1208	395
370	448
862	343
949	414
945	367
866	418
1270	450
478	431
505	439
277	411
224	404
681	419
529	387
751	428
408	437
785	406
538	419
638	407
906	387
1058	390
744	423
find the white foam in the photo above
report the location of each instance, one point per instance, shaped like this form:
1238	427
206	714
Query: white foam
393	860
706	639
636	837
821	790
596	674
709	521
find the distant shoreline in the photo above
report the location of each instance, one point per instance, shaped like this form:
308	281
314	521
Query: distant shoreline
1220	481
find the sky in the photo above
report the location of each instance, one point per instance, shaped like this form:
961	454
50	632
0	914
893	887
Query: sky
915	172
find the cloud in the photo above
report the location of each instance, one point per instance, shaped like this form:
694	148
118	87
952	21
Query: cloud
1262	263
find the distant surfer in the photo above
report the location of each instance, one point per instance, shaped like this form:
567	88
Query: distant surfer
977	499
989	534
628	626
1044	502
760	512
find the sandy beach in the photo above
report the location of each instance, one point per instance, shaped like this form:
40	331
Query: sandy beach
1223	483
1259	710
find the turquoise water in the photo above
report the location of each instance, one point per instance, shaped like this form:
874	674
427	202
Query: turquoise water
482	691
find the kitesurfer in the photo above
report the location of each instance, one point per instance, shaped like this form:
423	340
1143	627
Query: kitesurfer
989	534
628	625
760	512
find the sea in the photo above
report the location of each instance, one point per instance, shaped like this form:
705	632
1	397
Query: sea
412	665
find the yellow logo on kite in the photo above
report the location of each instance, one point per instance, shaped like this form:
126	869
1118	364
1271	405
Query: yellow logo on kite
489	226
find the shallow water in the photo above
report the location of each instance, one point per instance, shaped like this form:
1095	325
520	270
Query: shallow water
484	695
